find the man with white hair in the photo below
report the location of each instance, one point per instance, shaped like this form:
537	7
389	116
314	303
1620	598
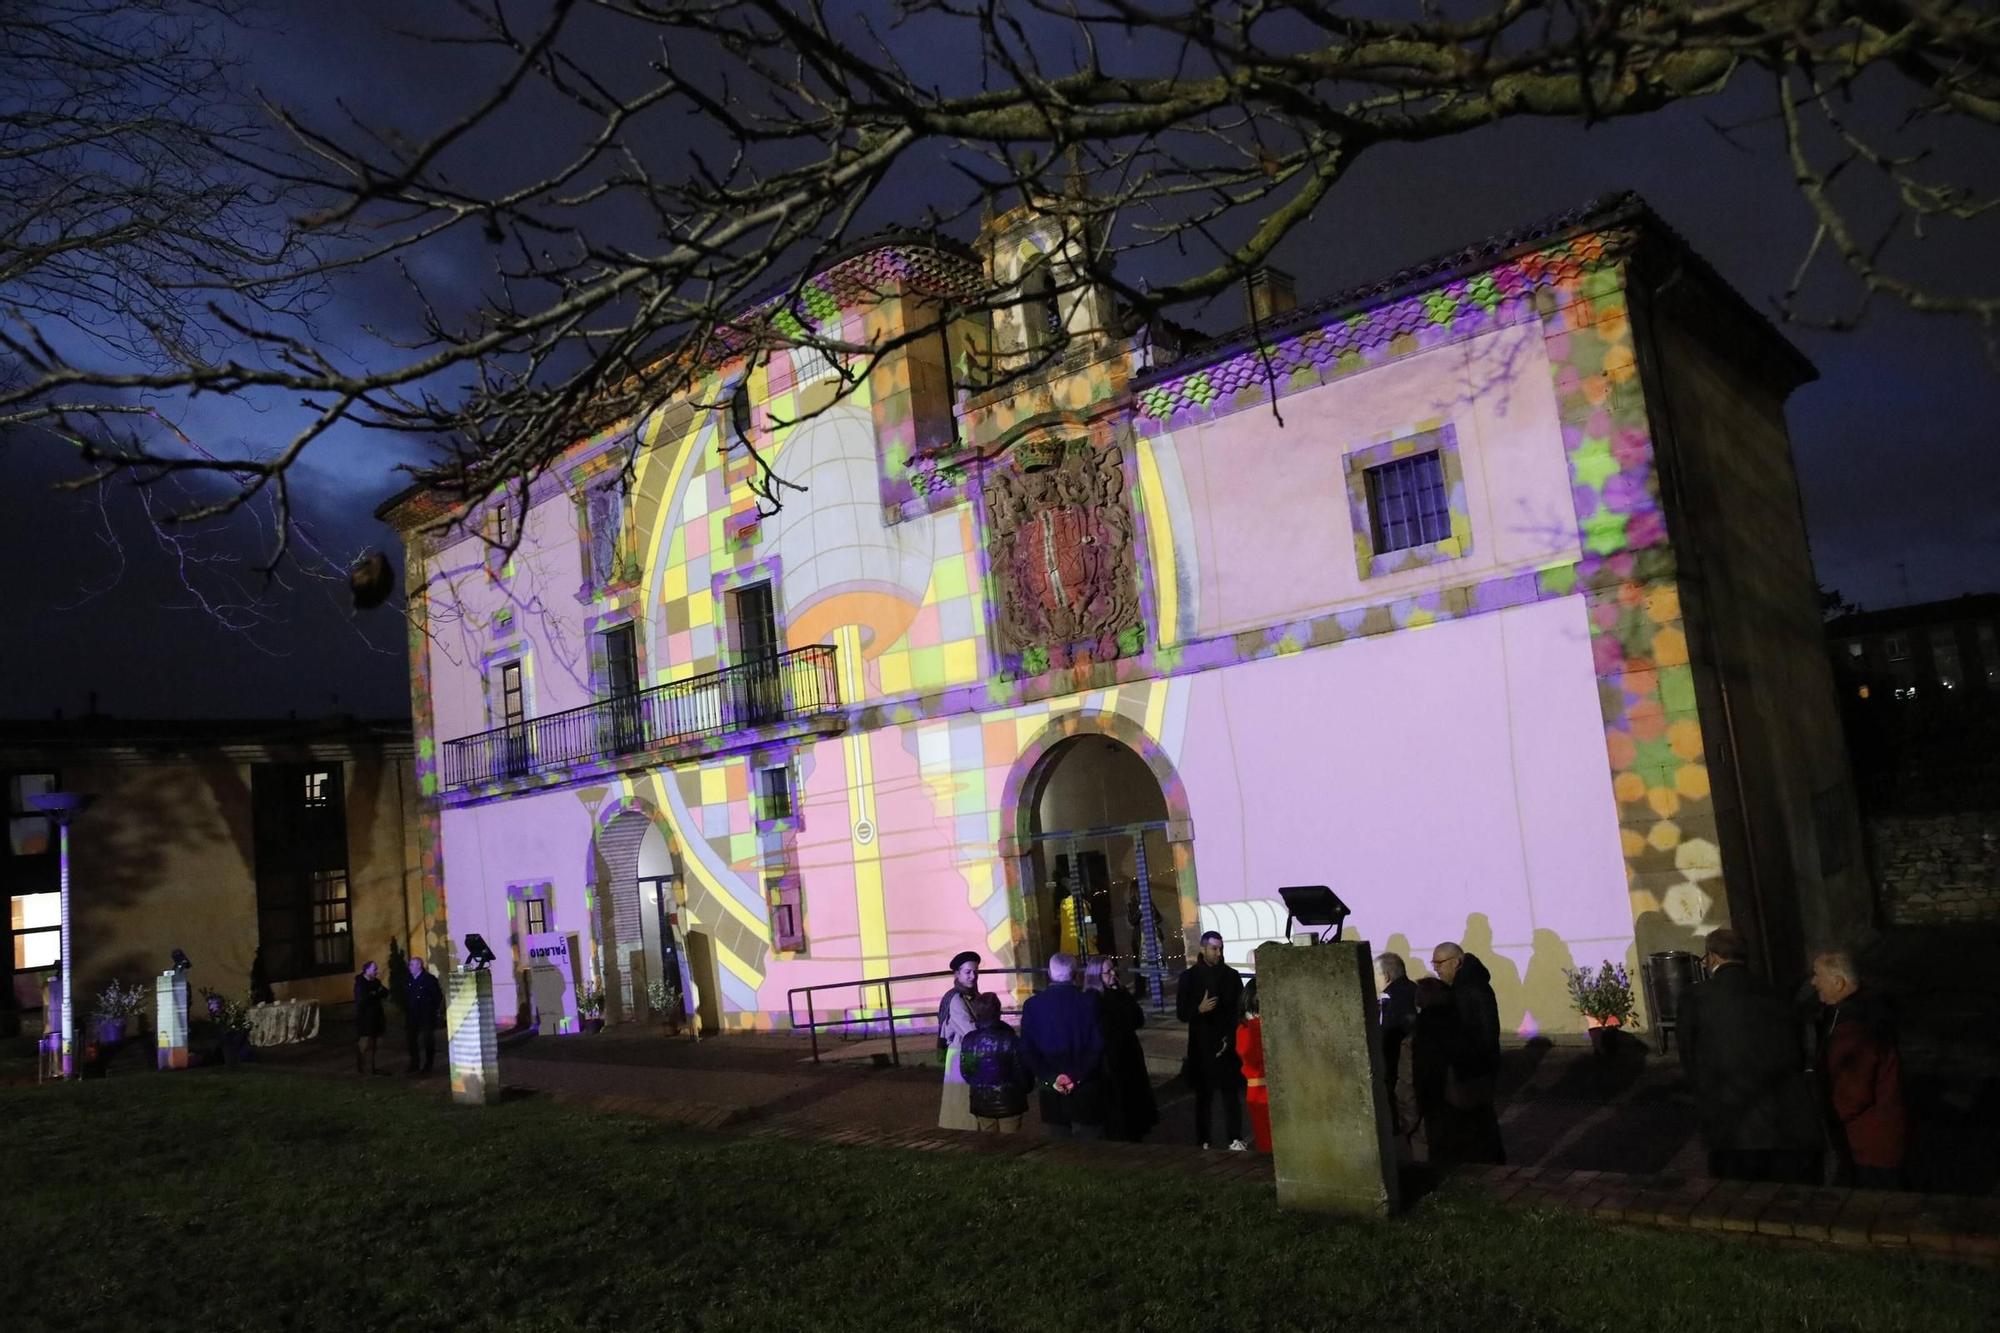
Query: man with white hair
1397	1011
1065	1052
1860	1077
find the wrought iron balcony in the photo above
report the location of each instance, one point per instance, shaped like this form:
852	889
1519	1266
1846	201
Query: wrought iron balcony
703	712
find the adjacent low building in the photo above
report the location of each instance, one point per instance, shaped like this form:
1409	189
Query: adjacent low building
219	838
1480	594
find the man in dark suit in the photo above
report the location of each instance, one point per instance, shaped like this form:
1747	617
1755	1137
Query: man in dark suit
1741	1049
423	1005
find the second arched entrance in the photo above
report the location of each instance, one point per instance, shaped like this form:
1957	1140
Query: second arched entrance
1106	863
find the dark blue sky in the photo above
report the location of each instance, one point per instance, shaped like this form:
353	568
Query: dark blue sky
1895	443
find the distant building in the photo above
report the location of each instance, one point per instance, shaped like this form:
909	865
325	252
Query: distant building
1920	696
1934	652
219	838
1481	594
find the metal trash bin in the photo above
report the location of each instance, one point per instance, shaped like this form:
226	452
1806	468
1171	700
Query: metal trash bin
1668	977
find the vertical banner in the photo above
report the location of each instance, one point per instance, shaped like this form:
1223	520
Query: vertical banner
170	1017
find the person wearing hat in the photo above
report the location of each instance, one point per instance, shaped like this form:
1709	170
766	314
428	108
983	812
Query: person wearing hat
955	1020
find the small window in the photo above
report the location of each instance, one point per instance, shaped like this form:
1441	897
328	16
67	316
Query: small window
317	784
503	523
29	832
1897	648
535	916
788	931
1407	503
1854	647
1041	314
774	793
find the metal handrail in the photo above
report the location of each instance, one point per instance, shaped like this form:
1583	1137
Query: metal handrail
925	1019
797	684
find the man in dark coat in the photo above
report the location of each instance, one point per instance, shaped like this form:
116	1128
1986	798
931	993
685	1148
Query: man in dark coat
369	993
1860	1076
1397	1011
1741	1049
423	1003
1471	1128
1065	1053
1210	1001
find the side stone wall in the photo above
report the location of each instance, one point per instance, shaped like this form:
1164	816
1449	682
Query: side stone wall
1937	869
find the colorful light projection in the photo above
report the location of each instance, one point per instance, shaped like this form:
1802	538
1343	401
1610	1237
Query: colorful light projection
933	745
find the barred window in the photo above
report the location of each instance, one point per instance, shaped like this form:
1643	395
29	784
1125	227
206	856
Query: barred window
1407	504
333	945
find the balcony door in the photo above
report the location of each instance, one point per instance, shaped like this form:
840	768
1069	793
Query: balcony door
514	754
759	696
623	729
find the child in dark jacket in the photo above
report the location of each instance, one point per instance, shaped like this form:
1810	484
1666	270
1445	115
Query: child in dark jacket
990	1056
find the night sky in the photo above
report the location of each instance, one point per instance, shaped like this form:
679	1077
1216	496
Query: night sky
1895	443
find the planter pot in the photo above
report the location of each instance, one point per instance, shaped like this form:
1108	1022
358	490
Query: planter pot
110	1031
1603	1040
593	1025
235	1047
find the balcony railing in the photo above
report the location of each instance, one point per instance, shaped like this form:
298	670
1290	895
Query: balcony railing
769	690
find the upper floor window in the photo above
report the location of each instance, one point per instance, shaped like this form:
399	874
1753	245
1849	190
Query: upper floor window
534	916
1896	647
513	699
316	789
621	660
604	517
27	829
1407	502
300	843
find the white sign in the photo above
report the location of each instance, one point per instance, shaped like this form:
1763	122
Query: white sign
551	959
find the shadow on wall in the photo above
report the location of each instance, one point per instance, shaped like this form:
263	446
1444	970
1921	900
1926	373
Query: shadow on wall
1532	1005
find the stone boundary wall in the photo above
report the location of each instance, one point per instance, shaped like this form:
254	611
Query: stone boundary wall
1936	869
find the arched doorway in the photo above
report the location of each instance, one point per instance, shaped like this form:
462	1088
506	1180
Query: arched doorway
1104	871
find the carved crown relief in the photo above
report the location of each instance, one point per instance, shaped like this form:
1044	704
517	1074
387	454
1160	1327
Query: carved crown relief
1062	540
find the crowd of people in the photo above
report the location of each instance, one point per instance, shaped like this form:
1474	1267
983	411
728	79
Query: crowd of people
1770	1099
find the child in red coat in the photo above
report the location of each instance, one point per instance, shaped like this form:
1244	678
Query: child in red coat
1250	1051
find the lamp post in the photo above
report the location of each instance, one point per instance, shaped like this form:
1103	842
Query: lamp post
63	807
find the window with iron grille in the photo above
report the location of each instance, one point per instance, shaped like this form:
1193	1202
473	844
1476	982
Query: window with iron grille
315	787
534	916
774	793
1407	502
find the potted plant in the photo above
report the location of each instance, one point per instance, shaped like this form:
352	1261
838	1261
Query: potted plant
593	1009
118	1008
664	1000
1604	998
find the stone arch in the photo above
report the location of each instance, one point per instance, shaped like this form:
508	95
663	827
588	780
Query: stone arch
1023	788
613	879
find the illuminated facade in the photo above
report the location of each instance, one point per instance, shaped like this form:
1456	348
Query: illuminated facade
1481	596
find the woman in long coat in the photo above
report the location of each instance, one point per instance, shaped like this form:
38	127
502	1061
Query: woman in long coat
954	1022
1129	1108
369	1020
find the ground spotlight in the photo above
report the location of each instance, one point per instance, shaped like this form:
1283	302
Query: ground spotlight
477	955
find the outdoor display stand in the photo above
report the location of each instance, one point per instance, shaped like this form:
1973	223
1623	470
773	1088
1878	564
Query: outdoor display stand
552	981
170	1017
474	1043
1330	1134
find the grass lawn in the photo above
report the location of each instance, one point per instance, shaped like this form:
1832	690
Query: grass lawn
261	1200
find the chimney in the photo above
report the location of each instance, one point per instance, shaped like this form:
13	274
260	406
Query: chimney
1270	294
